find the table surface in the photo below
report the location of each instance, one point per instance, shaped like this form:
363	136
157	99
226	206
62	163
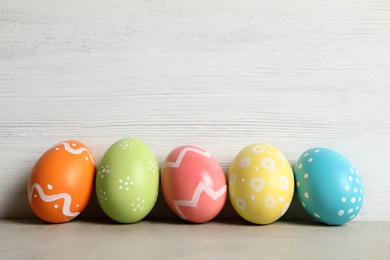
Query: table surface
168	239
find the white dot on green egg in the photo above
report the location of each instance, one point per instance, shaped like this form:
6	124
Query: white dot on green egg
316	215
346	187
138	205
134	209
343	199
252	198
300	166
126	183
138	198
310	160
305	175
298	184
120	187
340	213
143	201
306	195
141	208
350	211
127	189
132	204
303	204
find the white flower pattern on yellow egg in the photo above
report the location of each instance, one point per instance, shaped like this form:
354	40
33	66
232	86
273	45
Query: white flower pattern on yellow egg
257	183
268	163
270	201
283	183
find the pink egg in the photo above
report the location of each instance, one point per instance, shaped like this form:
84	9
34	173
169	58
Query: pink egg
193	184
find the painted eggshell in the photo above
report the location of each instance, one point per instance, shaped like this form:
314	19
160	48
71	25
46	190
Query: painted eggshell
127	181
61	182
193	184
261	184
328	186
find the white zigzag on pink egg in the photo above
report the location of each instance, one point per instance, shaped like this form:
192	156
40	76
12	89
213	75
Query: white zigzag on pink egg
202	187
177	163
49	198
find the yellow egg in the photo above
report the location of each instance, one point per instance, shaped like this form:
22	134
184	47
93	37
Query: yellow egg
261	184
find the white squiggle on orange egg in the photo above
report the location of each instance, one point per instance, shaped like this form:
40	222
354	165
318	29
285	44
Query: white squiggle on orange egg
76	151
49	198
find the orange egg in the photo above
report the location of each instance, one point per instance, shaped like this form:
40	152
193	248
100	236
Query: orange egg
61	182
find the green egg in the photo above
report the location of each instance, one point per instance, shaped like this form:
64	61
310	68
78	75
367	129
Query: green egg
127	181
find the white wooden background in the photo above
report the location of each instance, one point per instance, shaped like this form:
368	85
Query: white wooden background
217	74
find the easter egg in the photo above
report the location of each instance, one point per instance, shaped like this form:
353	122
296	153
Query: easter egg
328	186
193	184
261	184
127	181
61	182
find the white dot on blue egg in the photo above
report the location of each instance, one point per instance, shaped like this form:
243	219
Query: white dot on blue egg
353	200
316	215
343	199
350	178
351	217
357	180
351	170
355	189
340	213
346	187
350	211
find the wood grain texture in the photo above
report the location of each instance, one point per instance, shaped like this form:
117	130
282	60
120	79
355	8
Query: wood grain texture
217	74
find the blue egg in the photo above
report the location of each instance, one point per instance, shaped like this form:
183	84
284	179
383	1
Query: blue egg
328	186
